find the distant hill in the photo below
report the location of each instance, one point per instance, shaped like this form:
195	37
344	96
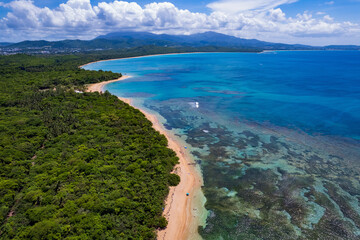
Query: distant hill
91	44
3	44
121	40
200	40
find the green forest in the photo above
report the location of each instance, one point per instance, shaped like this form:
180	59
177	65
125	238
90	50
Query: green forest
77	165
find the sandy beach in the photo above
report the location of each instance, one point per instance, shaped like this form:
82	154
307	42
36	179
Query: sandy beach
98	87
182	212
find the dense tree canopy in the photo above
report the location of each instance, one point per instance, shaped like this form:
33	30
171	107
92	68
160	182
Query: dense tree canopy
76	165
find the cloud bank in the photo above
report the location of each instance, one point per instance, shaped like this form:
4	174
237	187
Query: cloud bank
261	19
235	6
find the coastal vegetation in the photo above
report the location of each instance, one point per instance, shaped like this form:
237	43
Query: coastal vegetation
76	165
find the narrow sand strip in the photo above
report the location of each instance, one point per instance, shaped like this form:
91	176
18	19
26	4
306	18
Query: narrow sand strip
183	218
98	87
152	55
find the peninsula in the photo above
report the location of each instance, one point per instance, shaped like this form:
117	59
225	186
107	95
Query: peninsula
182	222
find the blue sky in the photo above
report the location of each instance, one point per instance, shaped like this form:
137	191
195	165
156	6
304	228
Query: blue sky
315	22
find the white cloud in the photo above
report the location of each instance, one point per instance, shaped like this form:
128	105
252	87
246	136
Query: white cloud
330	3
235	6
327	18
80	19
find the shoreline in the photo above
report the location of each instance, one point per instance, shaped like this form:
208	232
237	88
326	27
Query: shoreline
98	87
181	211
151	55
164	54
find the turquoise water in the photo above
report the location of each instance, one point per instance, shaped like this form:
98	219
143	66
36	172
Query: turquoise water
276	135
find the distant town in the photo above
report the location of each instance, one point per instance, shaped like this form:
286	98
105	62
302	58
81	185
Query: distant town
43	50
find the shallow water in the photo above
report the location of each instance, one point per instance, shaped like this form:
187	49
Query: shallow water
276	135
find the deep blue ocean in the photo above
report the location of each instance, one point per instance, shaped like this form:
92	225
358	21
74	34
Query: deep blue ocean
276	135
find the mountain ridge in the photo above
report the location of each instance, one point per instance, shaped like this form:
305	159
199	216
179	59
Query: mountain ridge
123	39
